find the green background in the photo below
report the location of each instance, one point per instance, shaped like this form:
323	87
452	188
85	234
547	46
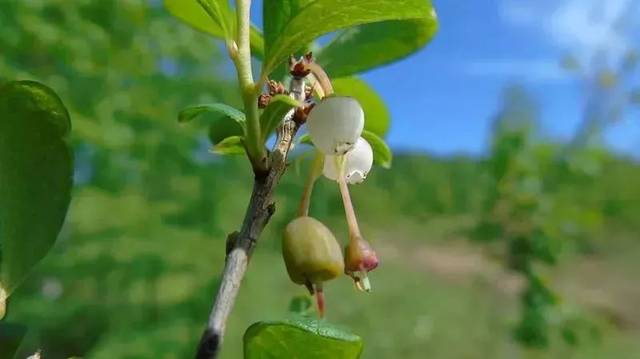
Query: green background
134	270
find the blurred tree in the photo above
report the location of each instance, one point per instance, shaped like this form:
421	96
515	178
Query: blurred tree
529	215
124	67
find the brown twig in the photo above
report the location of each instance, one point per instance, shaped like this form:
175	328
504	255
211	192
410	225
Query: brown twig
240	247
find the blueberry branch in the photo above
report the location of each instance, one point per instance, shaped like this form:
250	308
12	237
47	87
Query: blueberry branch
240	245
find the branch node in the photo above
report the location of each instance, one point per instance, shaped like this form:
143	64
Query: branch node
271	209
232	241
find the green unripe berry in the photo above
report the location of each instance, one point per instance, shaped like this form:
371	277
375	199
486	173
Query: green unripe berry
311	252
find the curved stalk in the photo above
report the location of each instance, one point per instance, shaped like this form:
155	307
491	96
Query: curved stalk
322	79
314	172
319	292
322	86
354	229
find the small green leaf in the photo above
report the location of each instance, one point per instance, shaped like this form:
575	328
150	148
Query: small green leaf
368	46
289	25
219	130
226	120
305	139
11	336
219	110
36	175
301	305
377	117
215	19
233	145
274	113
300	338
381	152
219	20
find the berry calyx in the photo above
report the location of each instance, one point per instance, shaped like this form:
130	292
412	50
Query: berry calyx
359	260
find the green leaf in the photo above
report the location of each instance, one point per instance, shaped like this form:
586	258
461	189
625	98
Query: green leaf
233	145
368	46
226	120
377	117
11	336
381	152
214	21
36	175
305	139
274	113
219	110
301	305
290	25
300	338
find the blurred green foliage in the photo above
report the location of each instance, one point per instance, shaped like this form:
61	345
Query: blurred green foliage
517	212
144	185
134	270
539	201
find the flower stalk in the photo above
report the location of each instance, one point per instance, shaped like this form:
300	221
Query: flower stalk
360	258
354	229
314	172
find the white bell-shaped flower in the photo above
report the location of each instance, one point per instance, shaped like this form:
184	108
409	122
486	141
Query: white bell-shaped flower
335	124
357	163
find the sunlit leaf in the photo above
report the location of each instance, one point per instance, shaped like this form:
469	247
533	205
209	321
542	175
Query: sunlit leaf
194	15
290	25
305	139
279	106
217	20
233	145
368	46
381	152
36	170
225	120
219	110
301	338
377	117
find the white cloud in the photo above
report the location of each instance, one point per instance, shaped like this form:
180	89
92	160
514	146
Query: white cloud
581	26
520	13
530	70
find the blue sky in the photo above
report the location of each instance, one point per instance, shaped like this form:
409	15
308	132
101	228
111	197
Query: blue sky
483	46
443	98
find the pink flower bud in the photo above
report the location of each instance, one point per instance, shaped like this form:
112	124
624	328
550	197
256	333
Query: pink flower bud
360	259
